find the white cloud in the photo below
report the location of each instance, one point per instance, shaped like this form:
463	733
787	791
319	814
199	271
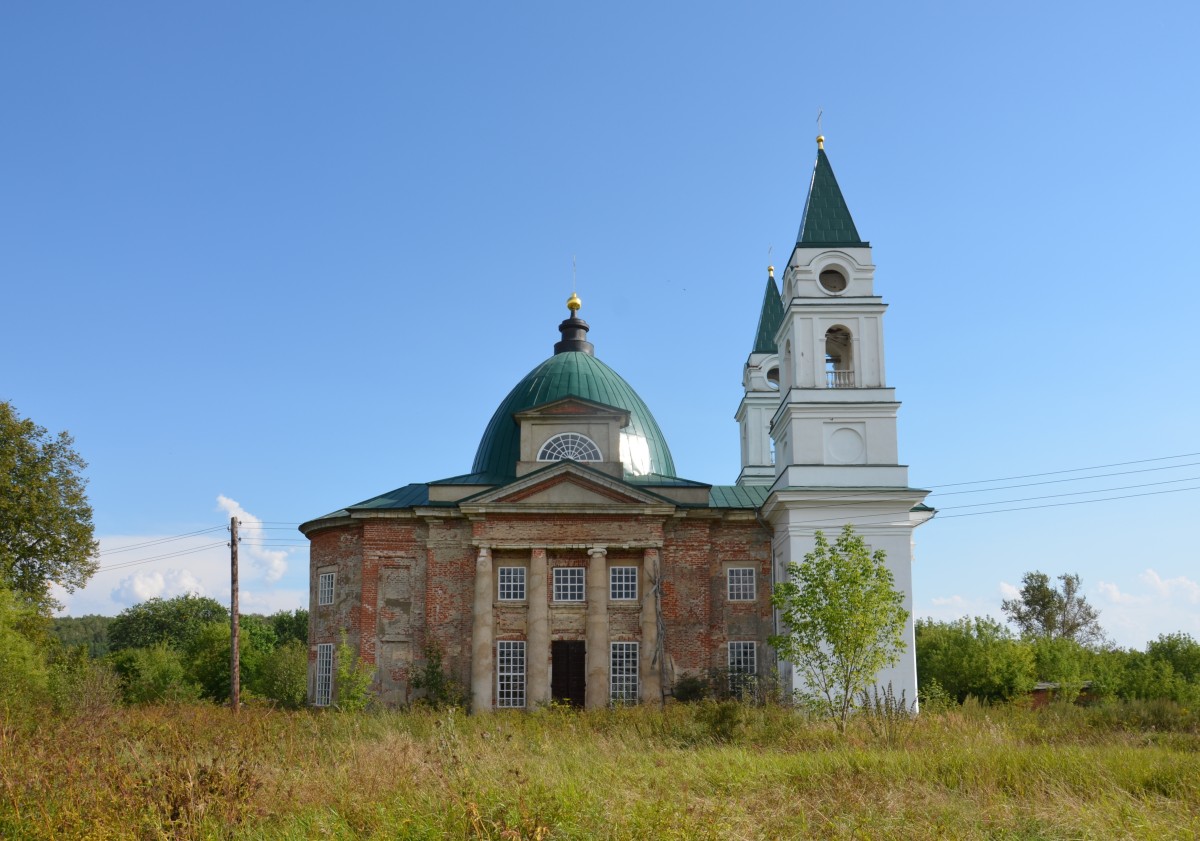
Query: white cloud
1113	593
951	601
1009	591
1166	588
150	584
272	563
946	608
1153	605
134	568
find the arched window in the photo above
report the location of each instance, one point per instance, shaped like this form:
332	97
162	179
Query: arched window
839	362
570	445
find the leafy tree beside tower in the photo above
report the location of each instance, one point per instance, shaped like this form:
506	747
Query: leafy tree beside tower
46	531
843	621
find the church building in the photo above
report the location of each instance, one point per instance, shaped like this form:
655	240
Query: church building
574	564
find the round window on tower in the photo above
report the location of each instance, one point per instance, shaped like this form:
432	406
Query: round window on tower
833	281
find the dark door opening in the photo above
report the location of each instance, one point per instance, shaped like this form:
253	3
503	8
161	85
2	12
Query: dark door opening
568	669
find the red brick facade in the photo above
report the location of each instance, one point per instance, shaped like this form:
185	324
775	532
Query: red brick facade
406	579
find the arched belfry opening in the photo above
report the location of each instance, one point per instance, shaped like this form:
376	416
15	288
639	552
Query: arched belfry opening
839	359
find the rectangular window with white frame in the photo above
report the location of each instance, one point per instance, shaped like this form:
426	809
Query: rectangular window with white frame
743	666
323	690
510	674
325	588
512	584
622	583
623	673
741	584
568	584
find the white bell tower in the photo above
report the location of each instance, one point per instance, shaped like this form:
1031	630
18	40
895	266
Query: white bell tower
834	427
760	379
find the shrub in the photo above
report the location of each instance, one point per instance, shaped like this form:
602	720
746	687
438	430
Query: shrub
282	675
691	688
154	675
80	685
978	657
25	676
352	680
430	678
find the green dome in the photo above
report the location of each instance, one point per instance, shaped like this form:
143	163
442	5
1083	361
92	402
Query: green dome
574	374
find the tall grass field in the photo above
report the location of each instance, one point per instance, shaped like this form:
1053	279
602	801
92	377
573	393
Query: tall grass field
702	771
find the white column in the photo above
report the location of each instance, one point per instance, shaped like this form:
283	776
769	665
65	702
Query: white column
482	634
537	636
596	629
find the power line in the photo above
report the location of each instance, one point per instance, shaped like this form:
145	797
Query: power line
1070	470
181	552
1076	493
157	541
1076	479
1076	502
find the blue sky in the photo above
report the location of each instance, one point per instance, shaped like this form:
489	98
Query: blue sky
275	258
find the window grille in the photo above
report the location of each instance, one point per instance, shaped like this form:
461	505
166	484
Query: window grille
623	673
741	584
622	583
743	666
568	584
512	584
570	445
325	588
510	673
323	691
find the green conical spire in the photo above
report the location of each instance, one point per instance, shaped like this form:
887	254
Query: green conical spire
826	218
770	318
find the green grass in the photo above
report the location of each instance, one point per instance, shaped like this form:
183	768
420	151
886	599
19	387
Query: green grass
690	772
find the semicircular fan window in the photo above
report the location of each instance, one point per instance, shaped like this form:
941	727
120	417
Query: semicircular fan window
570	445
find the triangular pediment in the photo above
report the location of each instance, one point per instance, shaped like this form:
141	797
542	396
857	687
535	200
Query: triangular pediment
566	485
574	407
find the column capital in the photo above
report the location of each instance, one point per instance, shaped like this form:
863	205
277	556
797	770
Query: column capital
597	550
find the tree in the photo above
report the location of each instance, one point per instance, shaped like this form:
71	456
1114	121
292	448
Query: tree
290	624
176	621
46	532
844	620
89	631
1181	651
1053	613
978	657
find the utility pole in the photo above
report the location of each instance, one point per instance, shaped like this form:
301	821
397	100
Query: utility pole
235	683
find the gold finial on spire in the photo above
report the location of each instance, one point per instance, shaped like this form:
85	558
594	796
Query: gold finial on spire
820	141
573	303
771	272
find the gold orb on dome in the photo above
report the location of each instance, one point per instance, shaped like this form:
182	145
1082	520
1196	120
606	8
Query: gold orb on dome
573	303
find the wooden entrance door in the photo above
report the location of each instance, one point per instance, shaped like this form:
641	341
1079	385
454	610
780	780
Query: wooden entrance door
568	672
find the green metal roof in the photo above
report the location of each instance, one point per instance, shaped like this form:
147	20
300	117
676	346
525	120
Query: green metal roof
474	479
661	481
570	374
738	496
769	319
405	497
826	220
